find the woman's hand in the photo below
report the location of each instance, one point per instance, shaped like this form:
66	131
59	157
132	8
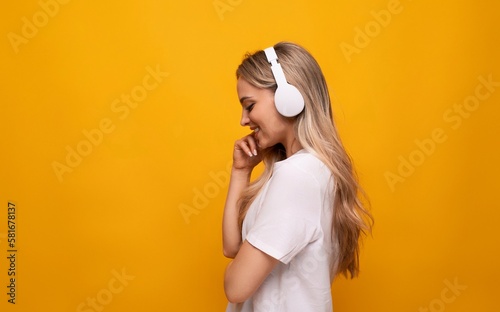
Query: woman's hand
246	154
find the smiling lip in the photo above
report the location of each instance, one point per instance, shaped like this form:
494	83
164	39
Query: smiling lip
256	131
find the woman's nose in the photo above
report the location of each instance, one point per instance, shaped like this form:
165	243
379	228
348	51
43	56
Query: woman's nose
244	119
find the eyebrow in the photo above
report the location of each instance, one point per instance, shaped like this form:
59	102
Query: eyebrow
244	98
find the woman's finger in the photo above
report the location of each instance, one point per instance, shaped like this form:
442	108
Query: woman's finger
252	144
243	145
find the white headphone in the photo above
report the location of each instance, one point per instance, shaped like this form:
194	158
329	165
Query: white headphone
288	100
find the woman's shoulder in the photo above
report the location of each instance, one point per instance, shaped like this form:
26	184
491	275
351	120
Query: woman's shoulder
304	165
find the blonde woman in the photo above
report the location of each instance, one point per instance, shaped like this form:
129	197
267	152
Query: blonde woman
298	225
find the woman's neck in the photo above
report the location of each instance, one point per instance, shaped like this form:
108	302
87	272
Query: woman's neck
292	147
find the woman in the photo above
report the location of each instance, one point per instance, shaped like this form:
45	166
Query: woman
295	227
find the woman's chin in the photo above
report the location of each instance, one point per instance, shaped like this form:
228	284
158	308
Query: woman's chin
261	144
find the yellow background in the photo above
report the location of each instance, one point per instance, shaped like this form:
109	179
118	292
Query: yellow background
120	208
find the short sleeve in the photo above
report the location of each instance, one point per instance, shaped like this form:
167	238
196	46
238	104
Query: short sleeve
288	219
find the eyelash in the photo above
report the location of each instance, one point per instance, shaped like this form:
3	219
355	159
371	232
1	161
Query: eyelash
249	107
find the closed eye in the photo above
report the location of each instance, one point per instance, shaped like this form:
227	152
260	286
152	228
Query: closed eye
249	107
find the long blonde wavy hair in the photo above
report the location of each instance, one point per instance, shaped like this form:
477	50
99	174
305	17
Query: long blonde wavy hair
316	132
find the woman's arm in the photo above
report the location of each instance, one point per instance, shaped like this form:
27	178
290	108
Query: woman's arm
246	272
231	234
245	157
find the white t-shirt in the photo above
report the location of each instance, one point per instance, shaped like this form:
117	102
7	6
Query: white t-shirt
291	220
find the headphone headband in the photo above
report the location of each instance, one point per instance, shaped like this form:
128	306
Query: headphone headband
278	73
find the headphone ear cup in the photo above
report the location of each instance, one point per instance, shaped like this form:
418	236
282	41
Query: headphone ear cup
288	100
